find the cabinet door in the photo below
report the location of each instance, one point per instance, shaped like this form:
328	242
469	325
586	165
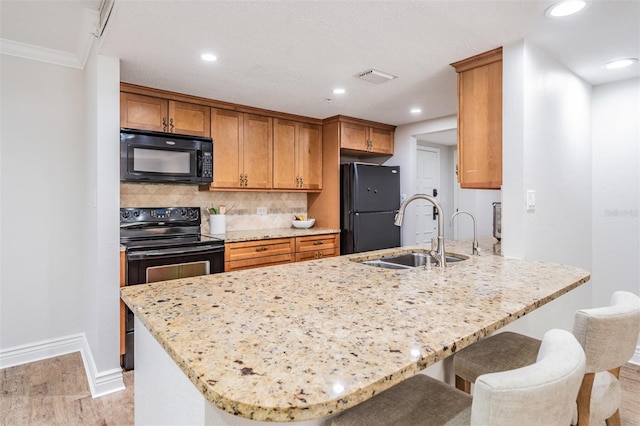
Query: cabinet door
256	151
354	136
381	140
285	136
143	112
189	119
480	120
227	131
480	127
310	156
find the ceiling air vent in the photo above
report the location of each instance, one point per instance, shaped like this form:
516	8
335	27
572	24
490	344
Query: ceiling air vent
375	76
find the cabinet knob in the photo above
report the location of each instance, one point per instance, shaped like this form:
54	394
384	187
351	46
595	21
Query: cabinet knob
318	243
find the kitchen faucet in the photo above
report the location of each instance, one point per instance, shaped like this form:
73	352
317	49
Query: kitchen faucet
438	254
475	229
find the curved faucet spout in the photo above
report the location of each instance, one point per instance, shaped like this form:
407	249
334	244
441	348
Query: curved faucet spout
475	229
440	253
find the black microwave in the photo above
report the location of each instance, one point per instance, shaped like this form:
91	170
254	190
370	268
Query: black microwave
157	157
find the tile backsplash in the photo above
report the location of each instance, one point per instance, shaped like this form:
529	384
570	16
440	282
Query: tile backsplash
242	207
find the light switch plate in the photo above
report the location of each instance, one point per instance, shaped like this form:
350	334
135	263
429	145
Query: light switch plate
531	199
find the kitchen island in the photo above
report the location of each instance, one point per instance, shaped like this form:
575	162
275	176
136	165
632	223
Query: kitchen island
306	340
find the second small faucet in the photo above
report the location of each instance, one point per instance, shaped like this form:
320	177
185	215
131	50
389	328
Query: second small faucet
475	229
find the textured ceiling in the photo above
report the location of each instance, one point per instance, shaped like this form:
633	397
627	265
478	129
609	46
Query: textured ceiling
289	55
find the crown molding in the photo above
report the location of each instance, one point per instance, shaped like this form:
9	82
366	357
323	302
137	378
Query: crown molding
78	60
42	54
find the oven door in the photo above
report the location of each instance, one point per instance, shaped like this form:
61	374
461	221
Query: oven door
152	265
147	266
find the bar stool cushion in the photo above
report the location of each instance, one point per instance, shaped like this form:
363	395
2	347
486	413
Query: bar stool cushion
500	352
419	400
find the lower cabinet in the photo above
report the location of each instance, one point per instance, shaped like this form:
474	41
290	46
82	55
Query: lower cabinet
252	254
276	251
316	247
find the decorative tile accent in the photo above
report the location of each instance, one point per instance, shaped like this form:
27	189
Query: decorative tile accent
241	206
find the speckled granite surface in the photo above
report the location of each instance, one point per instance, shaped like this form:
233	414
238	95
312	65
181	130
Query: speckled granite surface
263	234
308	339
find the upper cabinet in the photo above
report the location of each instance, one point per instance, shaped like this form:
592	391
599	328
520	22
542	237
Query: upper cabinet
480	120
297	155
365	138
242	150
162	115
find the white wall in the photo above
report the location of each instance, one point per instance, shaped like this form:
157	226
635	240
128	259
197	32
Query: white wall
546	148
43	188
616	189
59	190
101	206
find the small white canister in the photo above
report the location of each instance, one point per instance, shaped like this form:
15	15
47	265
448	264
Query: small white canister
217	224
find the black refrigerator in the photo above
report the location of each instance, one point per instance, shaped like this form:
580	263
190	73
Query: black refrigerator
369	201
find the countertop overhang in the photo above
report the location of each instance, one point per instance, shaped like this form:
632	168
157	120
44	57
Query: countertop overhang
306	340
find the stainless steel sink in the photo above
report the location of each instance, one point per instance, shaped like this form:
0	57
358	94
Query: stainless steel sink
409	260
382	264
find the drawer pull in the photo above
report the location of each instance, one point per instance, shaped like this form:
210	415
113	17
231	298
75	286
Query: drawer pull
263	248
318	243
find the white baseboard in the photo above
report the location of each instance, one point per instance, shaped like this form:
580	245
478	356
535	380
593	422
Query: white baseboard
100	382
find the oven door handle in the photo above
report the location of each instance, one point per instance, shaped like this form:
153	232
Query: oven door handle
145	254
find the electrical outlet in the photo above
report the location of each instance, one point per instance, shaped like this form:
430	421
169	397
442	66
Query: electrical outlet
262	210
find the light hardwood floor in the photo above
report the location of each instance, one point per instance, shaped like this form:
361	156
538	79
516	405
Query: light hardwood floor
55	392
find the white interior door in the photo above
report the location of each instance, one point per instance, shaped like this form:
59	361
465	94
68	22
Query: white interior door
427	180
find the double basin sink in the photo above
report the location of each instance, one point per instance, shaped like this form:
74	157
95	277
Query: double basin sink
409	260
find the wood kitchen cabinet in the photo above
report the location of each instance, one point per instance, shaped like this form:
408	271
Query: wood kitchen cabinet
242	150
276	251
364	138
317	247
253	254
480	120
297	155
162	115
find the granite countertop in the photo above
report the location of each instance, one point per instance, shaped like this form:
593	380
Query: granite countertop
265	234
309	339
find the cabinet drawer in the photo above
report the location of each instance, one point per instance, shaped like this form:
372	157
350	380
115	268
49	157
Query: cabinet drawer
316	254
258	262
260	248
316	242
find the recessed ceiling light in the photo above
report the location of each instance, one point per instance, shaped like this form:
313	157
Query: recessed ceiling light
210	57
416	110
339	91
621	63
565	8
